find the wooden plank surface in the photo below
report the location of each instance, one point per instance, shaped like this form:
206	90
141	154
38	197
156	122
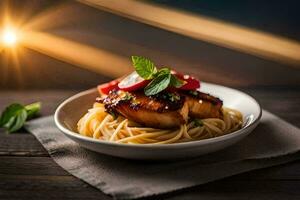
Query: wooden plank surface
27	172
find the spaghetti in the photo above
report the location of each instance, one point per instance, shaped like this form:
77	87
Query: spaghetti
98	124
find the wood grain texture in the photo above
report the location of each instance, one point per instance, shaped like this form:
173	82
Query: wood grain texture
44	166
50	99
27	172
21	144
226	189
282	101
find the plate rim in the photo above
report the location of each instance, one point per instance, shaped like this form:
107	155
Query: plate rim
207	141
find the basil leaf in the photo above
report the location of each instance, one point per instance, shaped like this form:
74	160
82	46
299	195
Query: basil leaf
176	82
157	85
144	67
10	122
9	112
15	115
163	71
33	109
19	120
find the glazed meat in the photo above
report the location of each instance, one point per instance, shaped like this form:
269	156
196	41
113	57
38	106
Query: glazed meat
163	110
202	105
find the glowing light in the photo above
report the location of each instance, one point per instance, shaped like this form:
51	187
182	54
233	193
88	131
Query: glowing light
9	37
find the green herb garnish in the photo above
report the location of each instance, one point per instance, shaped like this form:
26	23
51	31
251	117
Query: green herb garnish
161	79
33	109
174	97
14	116
176	82
144	67
198	122
162	71
193	92
170	96
127	97
158	84
113	114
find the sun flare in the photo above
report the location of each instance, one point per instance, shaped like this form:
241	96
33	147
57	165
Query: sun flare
9	37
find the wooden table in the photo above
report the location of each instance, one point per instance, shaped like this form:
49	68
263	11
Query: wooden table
27	171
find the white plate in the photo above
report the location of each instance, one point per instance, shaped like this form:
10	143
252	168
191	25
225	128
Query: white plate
72	109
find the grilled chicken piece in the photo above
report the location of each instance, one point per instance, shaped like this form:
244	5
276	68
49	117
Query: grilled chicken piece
202	105
159	111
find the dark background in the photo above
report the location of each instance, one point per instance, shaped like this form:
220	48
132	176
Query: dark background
90	26
279	17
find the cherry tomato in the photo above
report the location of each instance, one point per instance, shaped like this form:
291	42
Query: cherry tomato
107	87
191	82
133	82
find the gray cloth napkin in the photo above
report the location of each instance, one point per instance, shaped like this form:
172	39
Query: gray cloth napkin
273	142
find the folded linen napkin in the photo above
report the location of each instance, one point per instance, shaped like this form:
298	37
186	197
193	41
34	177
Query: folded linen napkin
273	142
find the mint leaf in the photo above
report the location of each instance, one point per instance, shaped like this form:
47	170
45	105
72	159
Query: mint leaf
176	82
33	109
157	85
163	71
9	123
161	78
9	112
18	122
15	115
144	67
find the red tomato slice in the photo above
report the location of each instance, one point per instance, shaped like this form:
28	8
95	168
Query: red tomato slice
191	82
133	82
107	87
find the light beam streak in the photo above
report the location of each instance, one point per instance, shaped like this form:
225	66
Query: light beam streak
203	28
97	60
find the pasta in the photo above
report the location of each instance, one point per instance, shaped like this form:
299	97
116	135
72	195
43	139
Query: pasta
98	124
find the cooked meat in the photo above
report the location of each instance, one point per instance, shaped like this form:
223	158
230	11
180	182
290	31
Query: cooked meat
202	105
163	110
